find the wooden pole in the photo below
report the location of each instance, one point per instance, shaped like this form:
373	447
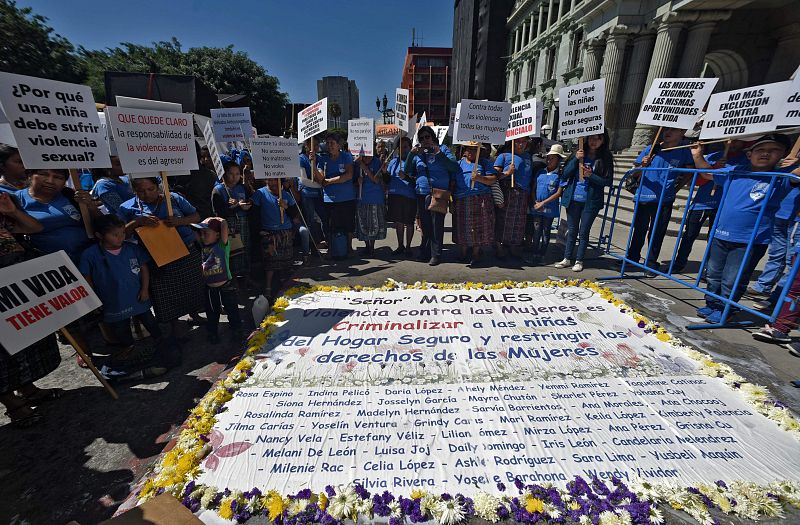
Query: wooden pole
725	153
280	198
313	162
694	143
88	361
580	148
167	198
655	141
512	163
87	219
475	166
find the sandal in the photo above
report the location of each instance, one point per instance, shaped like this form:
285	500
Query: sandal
43	394
80	362
30	417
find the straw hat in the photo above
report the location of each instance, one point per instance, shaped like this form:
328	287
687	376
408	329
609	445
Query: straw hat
557	149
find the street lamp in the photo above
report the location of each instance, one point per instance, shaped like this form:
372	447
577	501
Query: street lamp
388	113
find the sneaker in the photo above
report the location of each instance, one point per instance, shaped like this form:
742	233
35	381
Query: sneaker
434	261
794	349
714	317
473	263
705	311
757	293
771	335
562	263
762	306
399	251
578	266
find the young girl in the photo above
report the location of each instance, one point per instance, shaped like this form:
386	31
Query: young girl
545	208
371	209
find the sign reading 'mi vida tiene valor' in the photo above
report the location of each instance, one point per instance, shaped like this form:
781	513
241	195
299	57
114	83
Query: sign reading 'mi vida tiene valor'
453	390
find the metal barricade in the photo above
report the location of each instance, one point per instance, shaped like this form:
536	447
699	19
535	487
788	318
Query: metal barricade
605	240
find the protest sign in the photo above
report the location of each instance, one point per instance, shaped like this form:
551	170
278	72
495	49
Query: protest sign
153	140
231	124
582	109
40	296
361	136
6	135
55	124
675	102
423	121
112	146
790	113
412	125
451	125
441	133
274	158
482	121
745	111
213	151
401	109
523	121
312	120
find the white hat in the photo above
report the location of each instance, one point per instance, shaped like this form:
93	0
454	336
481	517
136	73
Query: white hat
557	149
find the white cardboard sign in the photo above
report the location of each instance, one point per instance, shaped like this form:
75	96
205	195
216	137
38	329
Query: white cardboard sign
231	124
213	151
149	141
275	158
524	120
39	296
452	122
312	120
401	109
361	136
745	111
112	146
483	121
790	113
441	133
55	124
582	109
676	102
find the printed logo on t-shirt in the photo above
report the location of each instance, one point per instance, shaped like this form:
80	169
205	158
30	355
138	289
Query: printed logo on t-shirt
759	190
341	168
73	213
551	186
431	158
135	268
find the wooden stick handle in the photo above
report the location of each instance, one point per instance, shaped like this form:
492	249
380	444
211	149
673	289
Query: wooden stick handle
694	143
88	361
475	166
165	183
280	198
512	163
87	218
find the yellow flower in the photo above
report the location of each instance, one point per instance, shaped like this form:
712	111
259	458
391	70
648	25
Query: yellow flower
323	501
417	494
225	511
574	505
533	504
274	504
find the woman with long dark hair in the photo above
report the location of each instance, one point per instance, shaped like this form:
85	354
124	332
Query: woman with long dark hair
587	174
335	174
12	171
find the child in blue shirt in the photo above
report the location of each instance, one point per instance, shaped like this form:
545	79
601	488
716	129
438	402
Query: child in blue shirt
212	234
118	272
548	188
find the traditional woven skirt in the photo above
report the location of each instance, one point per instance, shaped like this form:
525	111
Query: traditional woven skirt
277	249
371	222
178	288
240	261
511	219
475	220
28	365
402	210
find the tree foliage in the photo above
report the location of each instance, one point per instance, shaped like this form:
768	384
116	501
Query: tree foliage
28	46
222	69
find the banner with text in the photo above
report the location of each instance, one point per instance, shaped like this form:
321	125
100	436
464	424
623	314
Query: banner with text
676	102
582	109
482	121
40	296
401	110
213	151
745	111
150	141
312	120
524	120
790	113
275	158
453	390
55	124
232	124
361	136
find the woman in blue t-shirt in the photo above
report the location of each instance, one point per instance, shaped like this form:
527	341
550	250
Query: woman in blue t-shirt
433	167
474	213
586	175
312	204
402	199
230	199
177	287
371	209
112	188
512	216
335	174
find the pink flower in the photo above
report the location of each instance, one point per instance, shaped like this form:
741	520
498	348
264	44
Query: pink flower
350	366
303	351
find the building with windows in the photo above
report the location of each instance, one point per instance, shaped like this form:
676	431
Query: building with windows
344	93
426	75
553	43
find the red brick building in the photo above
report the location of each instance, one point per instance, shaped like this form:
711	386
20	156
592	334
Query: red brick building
426	75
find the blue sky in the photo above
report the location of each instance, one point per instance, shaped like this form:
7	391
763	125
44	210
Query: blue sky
299	41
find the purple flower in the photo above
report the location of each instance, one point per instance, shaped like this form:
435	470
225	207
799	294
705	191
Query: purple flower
500	486
303	494
329	490
361	491
641	324
518	483
396	521
446	497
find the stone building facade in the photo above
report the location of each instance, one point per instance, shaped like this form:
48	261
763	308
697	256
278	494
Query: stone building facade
553	43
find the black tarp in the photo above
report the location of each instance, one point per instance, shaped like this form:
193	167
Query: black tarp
189	91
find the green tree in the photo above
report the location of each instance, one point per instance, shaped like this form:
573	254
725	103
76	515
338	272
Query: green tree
222	69
28	46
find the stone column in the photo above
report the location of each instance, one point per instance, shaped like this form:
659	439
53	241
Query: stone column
532	22
669	29
517	39
635	76
694	52
592	53
612	70
787	53
540	21
561	5
550	14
